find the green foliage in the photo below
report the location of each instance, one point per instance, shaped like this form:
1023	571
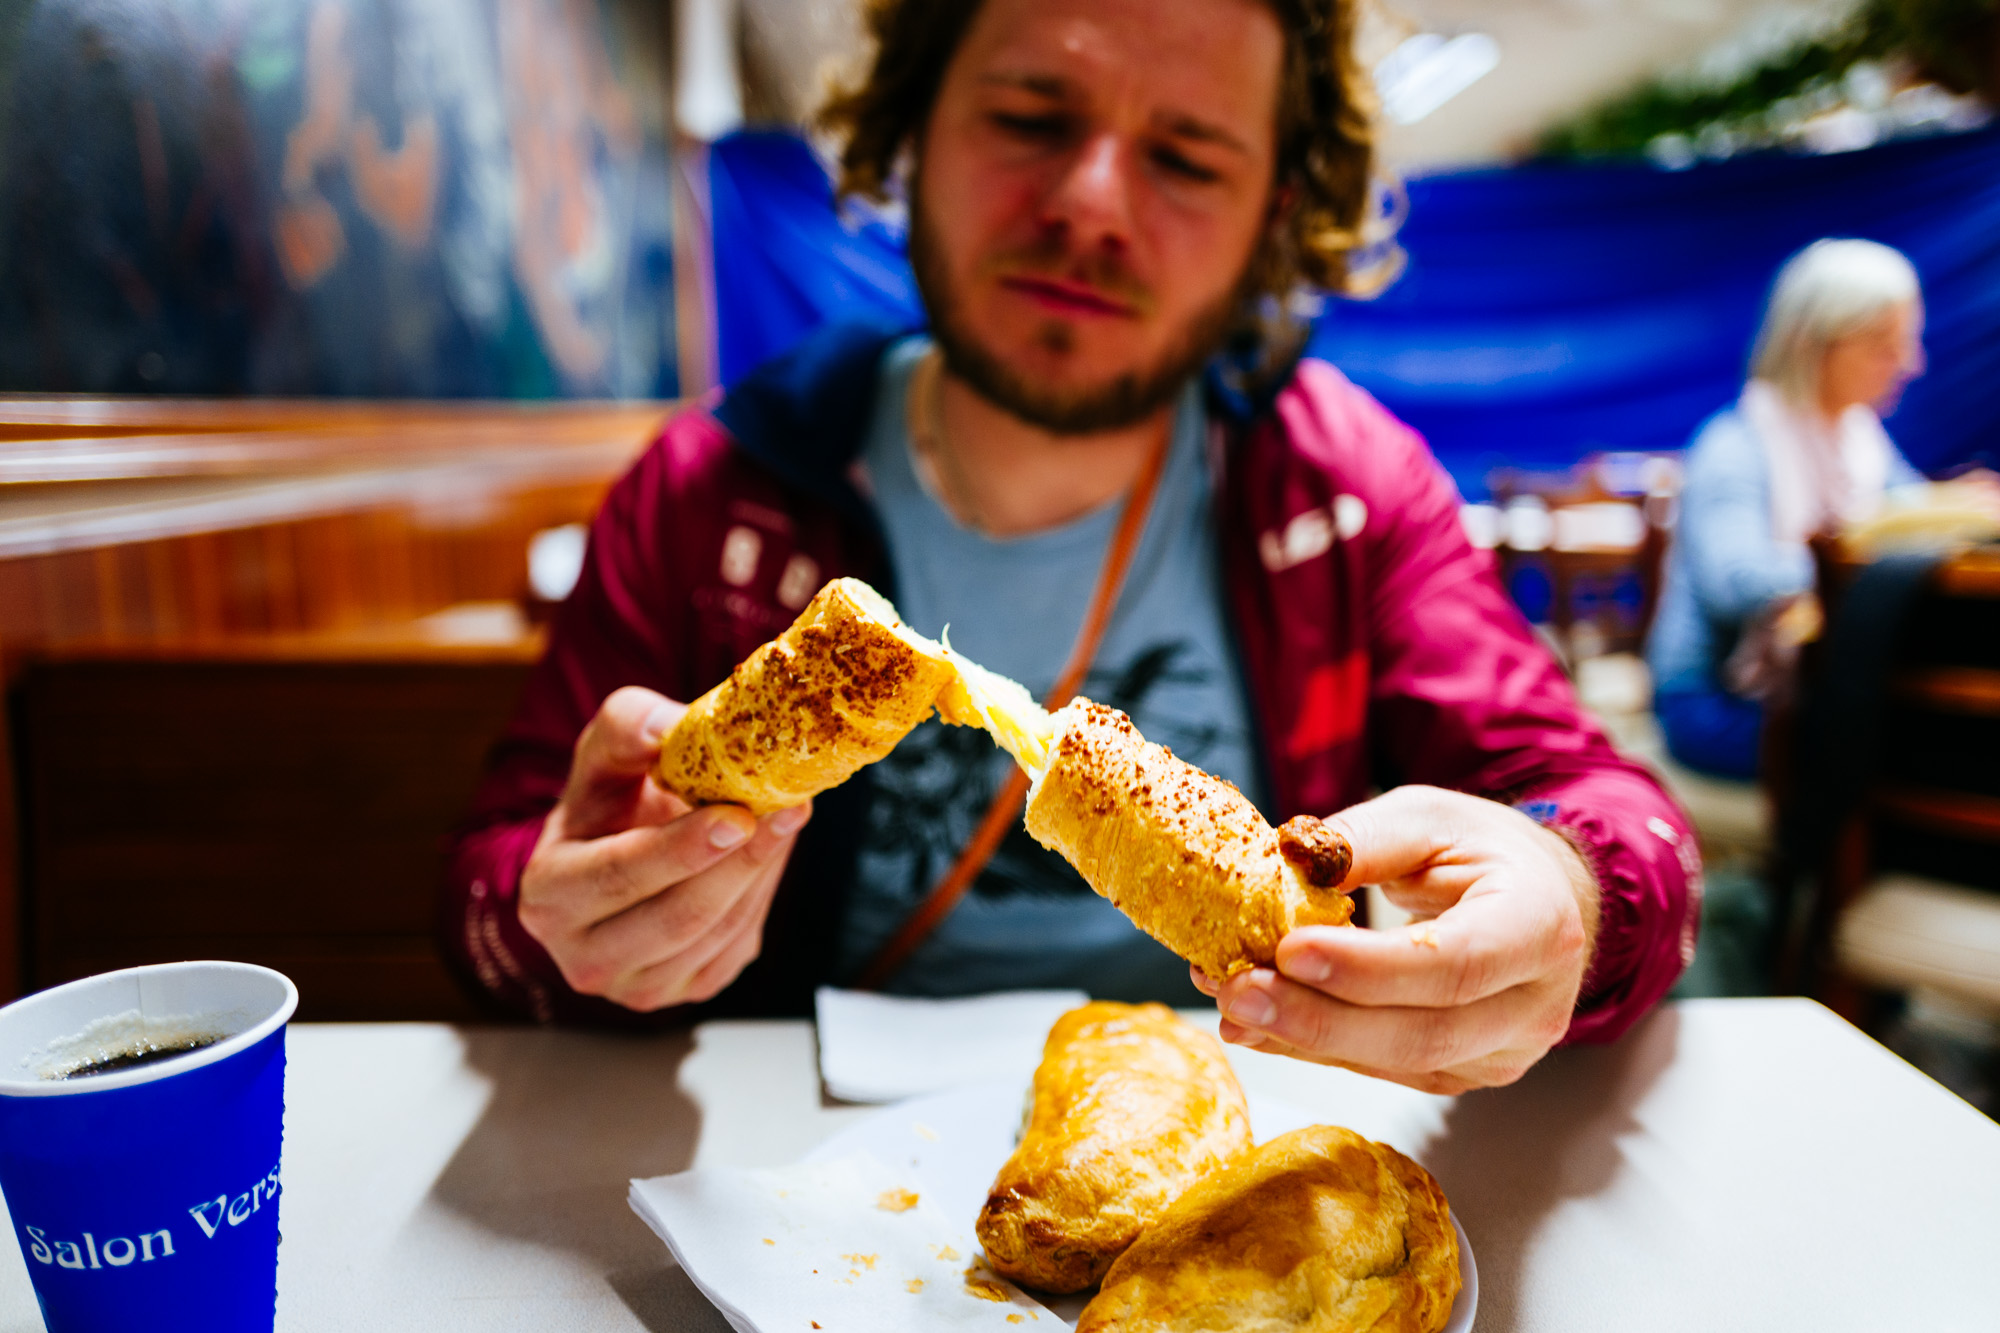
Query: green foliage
1953	41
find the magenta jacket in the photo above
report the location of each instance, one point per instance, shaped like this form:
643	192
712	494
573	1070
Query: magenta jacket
1377	645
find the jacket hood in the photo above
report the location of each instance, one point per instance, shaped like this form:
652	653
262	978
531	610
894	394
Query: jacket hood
803	414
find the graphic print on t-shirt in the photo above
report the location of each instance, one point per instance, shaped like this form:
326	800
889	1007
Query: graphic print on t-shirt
932	790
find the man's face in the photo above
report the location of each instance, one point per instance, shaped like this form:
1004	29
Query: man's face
1092	183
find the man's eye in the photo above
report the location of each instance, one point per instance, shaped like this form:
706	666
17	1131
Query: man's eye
1031	127
1185	168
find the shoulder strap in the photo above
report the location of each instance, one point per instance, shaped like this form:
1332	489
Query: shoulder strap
1007	802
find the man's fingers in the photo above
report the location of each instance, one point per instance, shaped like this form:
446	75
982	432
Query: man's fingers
1404	1039
620	870
660	972
613	757
1395	835
624	737
1447	1082
604	959
739	946
1486	943
693	970
679	911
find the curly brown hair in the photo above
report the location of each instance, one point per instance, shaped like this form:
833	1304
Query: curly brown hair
1326	133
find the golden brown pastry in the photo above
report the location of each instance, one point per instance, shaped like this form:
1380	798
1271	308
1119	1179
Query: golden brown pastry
803	713
1181	852
1131	1106
1318	1231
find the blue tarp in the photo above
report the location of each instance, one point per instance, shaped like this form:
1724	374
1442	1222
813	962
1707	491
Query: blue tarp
1547	311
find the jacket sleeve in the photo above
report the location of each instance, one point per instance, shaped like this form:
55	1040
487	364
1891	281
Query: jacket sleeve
617	627
1463	695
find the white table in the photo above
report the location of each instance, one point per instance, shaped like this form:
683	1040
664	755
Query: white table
1752	1164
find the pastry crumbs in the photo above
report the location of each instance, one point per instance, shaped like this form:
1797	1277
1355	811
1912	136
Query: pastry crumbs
985	1288
896	1201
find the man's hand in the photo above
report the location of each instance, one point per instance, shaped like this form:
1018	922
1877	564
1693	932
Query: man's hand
638	896
1471	994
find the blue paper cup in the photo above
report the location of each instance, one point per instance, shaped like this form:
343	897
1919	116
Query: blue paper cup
147	1197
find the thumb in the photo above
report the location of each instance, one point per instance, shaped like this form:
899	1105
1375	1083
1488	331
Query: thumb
615	754
1397	834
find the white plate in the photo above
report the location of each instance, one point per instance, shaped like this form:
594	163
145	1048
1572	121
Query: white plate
955	1142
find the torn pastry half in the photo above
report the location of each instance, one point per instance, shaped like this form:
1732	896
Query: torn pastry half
832	694
1182	852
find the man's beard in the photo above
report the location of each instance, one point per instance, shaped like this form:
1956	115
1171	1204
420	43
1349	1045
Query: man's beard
1122	401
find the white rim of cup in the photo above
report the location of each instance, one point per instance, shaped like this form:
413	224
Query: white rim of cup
176	1064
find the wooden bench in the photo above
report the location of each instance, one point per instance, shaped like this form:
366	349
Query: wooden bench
278	804
235	731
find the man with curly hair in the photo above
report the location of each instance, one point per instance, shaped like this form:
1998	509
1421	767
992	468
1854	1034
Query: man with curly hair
1110	203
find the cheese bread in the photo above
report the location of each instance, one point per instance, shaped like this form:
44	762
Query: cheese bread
1183	853
804	712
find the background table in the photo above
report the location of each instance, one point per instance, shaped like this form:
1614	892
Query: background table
1730	1164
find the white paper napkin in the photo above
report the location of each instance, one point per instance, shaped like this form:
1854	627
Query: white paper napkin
835	1245
883	1048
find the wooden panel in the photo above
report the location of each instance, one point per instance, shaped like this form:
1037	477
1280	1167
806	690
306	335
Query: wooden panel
265	805
30	416
1974	573
239	742
1951	689
236	739
1955	814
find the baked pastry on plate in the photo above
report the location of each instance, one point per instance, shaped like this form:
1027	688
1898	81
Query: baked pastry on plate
1318	1231
1130	1107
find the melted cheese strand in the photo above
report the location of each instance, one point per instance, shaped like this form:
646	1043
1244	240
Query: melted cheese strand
982	698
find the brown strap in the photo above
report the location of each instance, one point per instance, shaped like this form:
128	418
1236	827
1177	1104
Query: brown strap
1006	806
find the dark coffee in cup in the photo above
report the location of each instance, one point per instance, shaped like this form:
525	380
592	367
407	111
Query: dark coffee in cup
134	1054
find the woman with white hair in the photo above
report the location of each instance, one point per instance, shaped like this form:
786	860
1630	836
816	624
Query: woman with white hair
1801	452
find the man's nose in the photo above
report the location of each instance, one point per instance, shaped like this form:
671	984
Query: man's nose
1093	198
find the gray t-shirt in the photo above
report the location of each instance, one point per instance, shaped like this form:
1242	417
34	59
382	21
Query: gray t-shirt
1014	605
